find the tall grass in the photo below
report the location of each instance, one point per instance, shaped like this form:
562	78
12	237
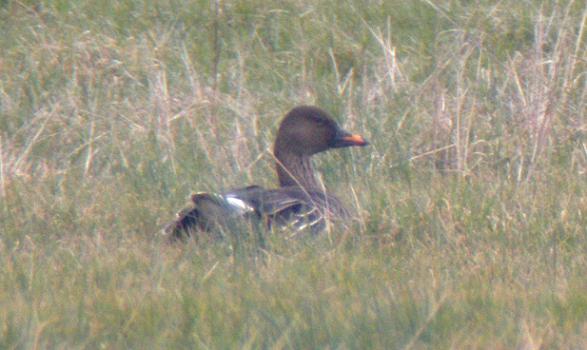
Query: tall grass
471	229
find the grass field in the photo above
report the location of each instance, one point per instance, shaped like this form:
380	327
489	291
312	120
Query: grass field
471	199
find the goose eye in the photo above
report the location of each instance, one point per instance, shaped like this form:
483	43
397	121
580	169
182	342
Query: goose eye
320	121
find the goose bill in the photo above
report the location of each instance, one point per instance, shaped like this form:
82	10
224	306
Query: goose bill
345	139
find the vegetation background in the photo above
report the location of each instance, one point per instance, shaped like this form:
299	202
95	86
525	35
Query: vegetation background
471	198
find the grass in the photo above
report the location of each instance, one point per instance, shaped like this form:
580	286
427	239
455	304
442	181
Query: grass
471	229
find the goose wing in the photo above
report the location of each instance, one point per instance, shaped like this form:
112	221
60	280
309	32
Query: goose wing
207	211
299	209
287	207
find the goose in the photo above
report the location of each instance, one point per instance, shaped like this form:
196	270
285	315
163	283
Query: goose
300	202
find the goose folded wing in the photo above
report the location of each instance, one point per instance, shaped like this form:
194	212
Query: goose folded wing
291	207
208	209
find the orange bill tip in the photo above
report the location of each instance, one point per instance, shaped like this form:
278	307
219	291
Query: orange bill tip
356	140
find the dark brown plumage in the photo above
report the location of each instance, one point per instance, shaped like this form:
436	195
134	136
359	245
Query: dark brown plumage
299	202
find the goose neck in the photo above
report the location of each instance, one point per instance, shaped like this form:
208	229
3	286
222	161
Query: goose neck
295	170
